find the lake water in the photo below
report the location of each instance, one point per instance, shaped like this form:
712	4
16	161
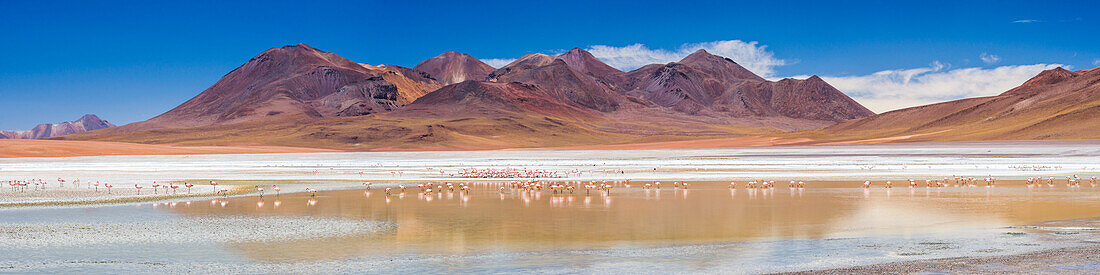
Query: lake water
707	227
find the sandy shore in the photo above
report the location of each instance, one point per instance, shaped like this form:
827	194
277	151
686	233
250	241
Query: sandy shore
18	148
24	148
1070	260
685	144
72	194
85	194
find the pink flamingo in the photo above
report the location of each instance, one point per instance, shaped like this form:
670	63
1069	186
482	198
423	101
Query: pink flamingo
138	187
277	189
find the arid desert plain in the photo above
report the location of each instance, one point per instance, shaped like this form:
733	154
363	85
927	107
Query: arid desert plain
954	207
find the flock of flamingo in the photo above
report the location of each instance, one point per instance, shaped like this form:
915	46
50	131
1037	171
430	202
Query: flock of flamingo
534	184
509	173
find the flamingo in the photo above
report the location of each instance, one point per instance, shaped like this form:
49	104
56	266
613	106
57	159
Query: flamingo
277	189
866	184
367	184
261	190
214	184
138	188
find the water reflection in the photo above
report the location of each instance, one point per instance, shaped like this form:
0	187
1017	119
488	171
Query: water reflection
488	219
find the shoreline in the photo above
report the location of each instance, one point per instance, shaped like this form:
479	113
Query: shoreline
13	149
1073	259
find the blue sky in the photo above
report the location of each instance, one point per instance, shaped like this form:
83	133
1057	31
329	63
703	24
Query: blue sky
127	61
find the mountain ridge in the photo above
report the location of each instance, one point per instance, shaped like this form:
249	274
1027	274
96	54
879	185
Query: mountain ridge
1055	104
311	97
88	122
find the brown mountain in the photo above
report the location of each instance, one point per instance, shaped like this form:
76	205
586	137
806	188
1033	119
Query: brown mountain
1055	104
487	99
452	67
520	67
296	80
706	84
300	96
586	64
85	123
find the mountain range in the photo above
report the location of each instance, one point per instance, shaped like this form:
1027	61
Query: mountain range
1055	104
85	123
301	96
297	95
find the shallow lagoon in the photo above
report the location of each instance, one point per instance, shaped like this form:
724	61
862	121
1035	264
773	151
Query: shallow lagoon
706	228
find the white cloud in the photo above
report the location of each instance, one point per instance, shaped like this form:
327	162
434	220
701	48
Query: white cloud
1027	21
1096	62
498	62
990	58
895	89
751	55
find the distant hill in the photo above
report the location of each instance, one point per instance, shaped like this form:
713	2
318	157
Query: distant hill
1055	104
452	67
85	123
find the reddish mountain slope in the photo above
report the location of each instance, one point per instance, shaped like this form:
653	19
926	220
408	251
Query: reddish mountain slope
85	123
1056	104
586	64
703	83
487	99
520	67
295	80
452	67
563	82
